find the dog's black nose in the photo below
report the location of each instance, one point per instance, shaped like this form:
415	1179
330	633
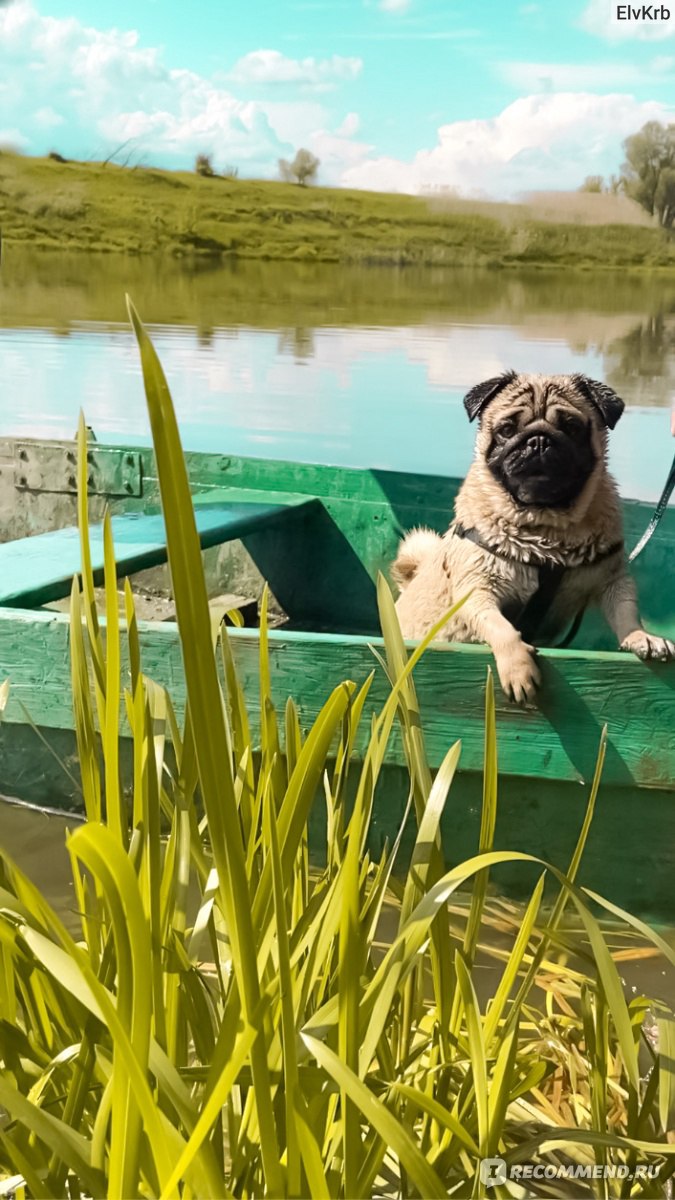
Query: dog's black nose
538	443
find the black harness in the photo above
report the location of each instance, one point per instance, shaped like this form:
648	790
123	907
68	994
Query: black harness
550	574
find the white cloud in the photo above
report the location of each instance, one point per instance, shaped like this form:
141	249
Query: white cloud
12	139
103	88
600	17
538	143
394	5
231	130
309	125
571	77
47	118
295	121
338	154
272	67
350	125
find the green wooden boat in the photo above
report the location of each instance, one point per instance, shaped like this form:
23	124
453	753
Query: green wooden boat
319	535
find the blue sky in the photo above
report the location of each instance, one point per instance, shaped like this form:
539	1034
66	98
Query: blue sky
492	98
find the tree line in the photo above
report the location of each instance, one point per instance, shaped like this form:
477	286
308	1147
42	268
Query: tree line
647	174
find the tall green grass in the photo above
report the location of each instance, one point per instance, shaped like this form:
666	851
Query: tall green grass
231	1021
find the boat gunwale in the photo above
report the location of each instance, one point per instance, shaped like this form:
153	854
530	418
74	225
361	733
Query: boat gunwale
170	629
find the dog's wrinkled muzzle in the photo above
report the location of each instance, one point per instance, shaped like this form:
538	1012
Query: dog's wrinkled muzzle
541	466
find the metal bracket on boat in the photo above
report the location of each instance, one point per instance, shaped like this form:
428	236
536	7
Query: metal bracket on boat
47	467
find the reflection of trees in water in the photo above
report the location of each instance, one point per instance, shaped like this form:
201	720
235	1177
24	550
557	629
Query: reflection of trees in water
628	319
204	337
641	364
50	289
298	341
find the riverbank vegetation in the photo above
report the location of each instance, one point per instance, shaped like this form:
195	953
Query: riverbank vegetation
230	1019
51	204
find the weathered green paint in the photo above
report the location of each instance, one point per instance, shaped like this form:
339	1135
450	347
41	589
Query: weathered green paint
40	569
556	740
322	563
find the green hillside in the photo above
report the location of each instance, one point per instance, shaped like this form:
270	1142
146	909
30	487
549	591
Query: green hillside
89	206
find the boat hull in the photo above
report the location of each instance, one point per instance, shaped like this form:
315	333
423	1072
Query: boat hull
322	571
546	755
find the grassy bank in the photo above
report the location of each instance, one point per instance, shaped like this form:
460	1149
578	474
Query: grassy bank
87	206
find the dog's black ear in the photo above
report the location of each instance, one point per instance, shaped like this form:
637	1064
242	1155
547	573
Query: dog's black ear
604	398
481	395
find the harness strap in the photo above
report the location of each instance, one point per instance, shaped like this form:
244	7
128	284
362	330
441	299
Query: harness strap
550	575
535	609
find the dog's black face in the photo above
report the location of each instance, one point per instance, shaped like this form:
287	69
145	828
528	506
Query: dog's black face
545	463
542	437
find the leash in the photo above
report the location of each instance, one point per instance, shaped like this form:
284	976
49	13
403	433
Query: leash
656	515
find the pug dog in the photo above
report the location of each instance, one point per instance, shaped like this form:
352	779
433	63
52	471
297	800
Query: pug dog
537	534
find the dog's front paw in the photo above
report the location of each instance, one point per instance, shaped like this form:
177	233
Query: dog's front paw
519	674
648	645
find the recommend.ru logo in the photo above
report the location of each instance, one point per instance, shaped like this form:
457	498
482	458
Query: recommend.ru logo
493	1171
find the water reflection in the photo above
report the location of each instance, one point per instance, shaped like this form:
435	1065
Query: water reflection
298	341
53	290
36	840
643	361
360	366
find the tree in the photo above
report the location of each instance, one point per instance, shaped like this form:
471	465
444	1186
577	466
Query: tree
302	170
648	170
664	199
593	183
203	165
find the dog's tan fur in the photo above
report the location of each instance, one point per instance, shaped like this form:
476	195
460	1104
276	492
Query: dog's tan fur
436	571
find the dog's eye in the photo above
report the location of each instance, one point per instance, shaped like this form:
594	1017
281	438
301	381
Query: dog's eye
571	423
507	428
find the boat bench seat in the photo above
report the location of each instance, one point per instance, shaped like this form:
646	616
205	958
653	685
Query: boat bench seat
37	570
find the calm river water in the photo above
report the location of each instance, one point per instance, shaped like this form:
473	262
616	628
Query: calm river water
357	367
